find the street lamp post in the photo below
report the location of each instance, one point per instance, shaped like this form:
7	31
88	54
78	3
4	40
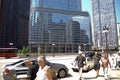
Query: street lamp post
53	49
85	47
39	50
105	30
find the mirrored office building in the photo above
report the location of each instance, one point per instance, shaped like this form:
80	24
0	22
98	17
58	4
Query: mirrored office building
51	27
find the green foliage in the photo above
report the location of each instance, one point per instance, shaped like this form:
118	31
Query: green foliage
25	50
40	50
116	49
19	51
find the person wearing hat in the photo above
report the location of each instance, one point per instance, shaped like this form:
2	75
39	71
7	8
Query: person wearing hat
80	60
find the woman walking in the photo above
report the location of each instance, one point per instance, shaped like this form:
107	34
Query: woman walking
105	62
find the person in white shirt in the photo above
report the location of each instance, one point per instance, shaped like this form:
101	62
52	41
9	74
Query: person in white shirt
112	59
44	72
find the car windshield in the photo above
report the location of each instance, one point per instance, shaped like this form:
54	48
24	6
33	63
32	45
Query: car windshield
17	62
88	59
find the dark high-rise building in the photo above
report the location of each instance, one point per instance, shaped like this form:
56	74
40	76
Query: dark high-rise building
0	21
14	23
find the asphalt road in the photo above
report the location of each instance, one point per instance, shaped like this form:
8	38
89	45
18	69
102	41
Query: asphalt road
113	74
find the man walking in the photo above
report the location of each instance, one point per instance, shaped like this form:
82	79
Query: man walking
33	68
96	59
80	60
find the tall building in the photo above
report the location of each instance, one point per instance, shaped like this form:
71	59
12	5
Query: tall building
118	30
104	18
85	28
14	16
72	32
0	20
49	22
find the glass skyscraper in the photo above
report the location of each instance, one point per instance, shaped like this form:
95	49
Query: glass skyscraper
118	30
49	24
104	15
85	24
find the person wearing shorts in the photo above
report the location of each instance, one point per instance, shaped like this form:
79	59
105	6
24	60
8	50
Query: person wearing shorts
80	60
96	59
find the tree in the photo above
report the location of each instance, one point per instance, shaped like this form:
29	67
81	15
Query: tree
40	50
25	50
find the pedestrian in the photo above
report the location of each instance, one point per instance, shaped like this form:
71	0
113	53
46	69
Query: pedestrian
112	59
80	61
32	70
105	63
44	72
96	58
118	61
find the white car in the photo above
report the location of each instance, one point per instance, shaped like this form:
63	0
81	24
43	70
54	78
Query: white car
87	67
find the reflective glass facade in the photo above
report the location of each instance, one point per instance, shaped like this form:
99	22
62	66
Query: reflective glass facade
85	28
73	5
49	22
104	15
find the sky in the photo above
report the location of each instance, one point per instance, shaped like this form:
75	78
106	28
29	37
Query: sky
87	6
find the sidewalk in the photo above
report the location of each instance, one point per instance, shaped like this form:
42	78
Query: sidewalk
112	75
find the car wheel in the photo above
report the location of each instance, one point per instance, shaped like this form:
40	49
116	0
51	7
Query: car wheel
61	73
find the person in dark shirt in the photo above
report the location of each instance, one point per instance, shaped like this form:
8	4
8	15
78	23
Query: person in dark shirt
96	59
32	70
80	60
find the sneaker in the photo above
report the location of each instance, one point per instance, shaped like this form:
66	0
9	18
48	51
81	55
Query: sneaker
106	78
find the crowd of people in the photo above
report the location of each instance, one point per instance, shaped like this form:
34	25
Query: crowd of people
40	71
105	61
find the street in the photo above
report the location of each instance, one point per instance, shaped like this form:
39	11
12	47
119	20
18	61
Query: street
113	74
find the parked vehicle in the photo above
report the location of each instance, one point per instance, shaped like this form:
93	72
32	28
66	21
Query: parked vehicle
91	54
18	68
8	52
87	67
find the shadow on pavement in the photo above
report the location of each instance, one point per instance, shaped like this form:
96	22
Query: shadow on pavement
91	78
112	78
69	75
